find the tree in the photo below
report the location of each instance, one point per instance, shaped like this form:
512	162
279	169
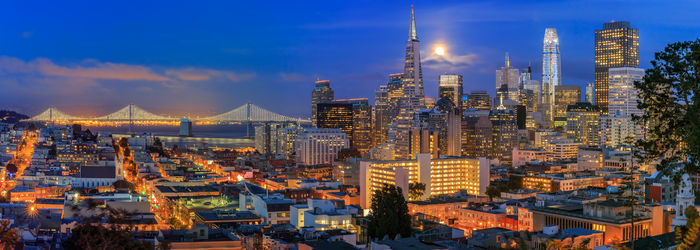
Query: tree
122	184
8	236
416	190
11	168
669	97
389	215
92	233
691	213
492	191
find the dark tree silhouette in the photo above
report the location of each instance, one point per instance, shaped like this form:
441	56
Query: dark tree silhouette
389	214
669	97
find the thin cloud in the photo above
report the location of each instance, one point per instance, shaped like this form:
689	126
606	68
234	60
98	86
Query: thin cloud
450	62
96	70
100	71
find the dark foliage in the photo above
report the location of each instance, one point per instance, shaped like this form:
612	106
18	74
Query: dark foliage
670	98
389	214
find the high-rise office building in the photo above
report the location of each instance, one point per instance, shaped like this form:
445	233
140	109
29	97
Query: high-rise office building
352	116
536	89
276	137
380	117
551	74
590	93
616	45
477	134
320	145
583	123
322	93
432	121
394	93
564	95
508	80
450	86
412	98
622	95
619	127
505	133
185	127
478	99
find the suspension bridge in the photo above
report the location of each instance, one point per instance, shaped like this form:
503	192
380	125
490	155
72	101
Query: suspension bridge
249	113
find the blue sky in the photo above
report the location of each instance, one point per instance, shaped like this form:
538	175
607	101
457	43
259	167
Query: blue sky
206	57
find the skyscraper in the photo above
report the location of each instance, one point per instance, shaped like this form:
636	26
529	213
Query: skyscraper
551	73
622	95
564	95
478	99
450	86
505	134
616	45
322	93
380	117
185	127
508	80
477	134
582	123
352	116
412	98
622	106
590	93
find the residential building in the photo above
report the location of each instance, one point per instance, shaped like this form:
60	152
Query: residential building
446	175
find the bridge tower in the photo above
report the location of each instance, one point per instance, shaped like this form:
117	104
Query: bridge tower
247	119
131	118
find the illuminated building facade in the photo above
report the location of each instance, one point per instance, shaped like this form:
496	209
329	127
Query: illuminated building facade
413	98
610	216
380	116
477	134
616	45
505	134
450	86
322	93
441	176
320	145
478	99
564	95
430	122
508	79
561	149
590	93
583	123
352	116
276	137
185	127
622	95
551	73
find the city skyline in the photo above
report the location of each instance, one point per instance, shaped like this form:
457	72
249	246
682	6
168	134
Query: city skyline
169	67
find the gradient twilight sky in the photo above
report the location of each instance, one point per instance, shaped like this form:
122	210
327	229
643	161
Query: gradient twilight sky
207	57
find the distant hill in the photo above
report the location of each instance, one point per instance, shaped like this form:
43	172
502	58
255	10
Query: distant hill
7	116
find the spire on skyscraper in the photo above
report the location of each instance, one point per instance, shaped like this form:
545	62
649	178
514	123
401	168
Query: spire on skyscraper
412	34
507	60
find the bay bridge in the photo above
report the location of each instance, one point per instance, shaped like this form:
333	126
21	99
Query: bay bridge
246	113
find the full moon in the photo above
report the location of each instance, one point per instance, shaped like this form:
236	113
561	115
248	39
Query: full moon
440	51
